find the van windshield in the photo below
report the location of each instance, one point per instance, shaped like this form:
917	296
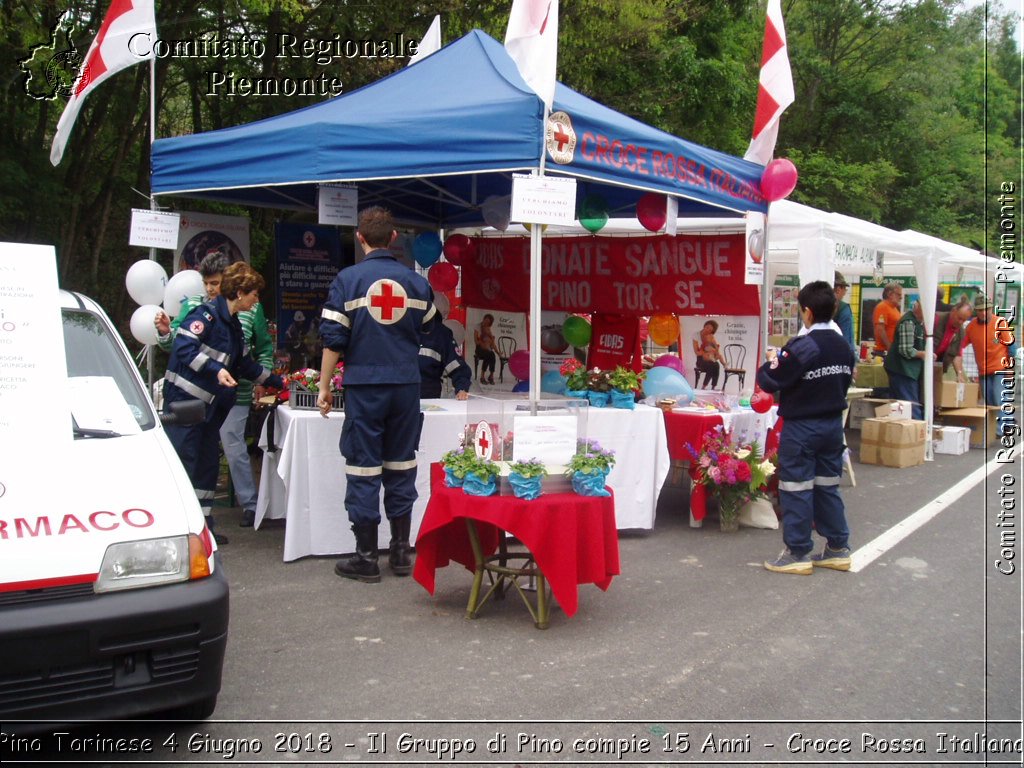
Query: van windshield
92	350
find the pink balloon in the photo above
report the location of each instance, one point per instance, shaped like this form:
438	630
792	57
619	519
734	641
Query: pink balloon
459	249
519	364
650	211
443	276
670	361
778	180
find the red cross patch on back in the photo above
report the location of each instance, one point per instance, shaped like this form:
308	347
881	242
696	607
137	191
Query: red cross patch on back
197	327
386	301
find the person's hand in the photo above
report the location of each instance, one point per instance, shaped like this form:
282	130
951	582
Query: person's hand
225	379
960	377
463	395
162	322
325	400
770	355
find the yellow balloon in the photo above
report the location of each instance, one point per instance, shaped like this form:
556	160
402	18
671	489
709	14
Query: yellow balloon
529	227
663	329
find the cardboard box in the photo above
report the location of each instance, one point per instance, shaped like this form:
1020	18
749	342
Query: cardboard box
877	407
892	442
951	394
980	420
952	440
871	375
895	409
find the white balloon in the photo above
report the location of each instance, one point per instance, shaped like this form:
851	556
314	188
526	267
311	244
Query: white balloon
146	281
142	325
458	331
442	304
184	285
497	211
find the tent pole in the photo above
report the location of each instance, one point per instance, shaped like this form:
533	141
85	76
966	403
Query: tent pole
764	291
536	239
151	362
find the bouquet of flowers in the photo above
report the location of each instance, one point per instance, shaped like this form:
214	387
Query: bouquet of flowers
575	374
309	378
733	472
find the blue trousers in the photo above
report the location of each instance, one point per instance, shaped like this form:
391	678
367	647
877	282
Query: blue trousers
198	447
379	441
810	467
905	388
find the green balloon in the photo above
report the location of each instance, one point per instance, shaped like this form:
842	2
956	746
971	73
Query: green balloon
593	213
576	331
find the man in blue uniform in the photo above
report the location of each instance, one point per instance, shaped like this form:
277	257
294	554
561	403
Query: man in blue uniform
438	358
812	373
208	357
375	314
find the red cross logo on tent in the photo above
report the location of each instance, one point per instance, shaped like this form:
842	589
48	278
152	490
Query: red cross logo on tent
387	301
560	138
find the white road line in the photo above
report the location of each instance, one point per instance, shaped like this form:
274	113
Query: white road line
864	556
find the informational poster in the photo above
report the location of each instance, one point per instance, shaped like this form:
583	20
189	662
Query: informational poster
543	199
34	407
309	257
784	309
755	245
154	229
200	234
728	346
338	205
492	336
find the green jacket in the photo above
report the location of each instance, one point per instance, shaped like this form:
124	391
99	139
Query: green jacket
255	333
909	339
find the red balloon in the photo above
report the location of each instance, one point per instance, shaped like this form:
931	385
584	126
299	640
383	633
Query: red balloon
761	401
459	249
669	361
443	276
650	210
778	180
519	364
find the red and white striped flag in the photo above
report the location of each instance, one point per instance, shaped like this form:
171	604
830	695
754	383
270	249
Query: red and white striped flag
774	90
113	49
532	41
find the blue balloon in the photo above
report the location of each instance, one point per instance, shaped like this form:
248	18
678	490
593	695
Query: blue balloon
426	248
553	382
522	386
663	381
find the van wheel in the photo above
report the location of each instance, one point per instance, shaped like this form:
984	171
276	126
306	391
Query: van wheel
198	710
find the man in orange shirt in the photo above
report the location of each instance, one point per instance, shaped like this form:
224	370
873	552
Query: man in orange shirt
885	317
991	338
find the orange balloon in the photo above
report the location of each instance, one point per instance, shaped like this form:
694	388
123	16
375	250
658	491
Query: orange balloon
664	329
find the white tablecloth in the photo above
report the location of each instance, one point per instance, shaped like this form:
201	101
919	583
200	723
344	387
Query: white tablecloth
304	480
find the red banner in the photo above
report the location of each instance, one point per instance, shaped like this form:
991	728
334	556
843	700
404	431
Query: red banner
682	275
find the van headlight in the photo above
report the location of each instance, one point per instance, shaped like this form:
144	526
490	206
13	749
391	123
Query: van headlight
133	564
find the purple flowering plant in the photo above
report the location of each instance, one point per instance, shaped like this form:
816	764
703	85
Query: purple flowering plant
590	458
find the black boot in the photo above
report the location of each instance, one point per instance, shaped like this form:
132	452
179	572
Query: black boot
398	554
362	566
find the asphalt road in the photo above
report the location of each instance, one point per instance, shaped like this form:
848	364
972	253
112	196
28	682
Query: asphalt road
695	654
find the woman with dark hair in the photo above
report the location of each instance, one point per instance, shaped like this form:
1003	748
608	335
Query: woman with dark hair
484	353
708	355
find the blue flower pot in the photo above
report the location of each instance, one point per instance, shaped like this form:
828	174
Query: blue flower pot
623	399
591	484
598	399
474	486
525	487
577	393
451	480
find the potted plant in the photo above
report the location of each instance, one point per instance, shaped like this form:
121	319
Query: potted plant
575	378
624	384
304	388
480	475
527	478
733	474
598	388
455	462
589	467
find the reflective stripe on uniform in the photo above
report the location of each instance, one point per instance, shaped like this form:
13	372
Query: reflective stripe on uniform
362	301
453	365
416	303
400	465
428	352
819	480
204	494
363	471
333	314
796	485
198	362
187	386
263	376
221	357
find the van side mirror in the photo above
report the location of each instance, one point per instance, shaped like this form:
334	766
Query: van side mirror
183	413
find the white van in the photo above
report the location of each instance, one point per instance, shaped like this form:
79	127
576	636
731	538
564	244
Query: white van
115	605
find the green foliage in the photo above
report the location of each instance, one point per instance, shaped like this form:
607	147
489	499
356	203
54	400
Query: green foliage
529	468
625	380
590	457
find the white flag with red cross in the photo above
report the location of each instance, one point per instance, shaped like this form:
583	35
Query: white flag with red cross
125	38
532	41
774	90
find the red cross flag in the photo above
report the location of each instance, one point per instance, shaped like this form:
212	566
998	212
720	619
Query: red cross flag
774	90
113	49
532	41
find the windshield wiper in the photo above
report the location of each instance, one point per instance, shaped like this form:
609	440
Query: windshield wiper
101	433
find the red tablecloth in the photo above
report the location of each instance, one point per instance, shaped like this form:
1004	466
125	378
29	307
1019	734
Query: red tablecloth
573	538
